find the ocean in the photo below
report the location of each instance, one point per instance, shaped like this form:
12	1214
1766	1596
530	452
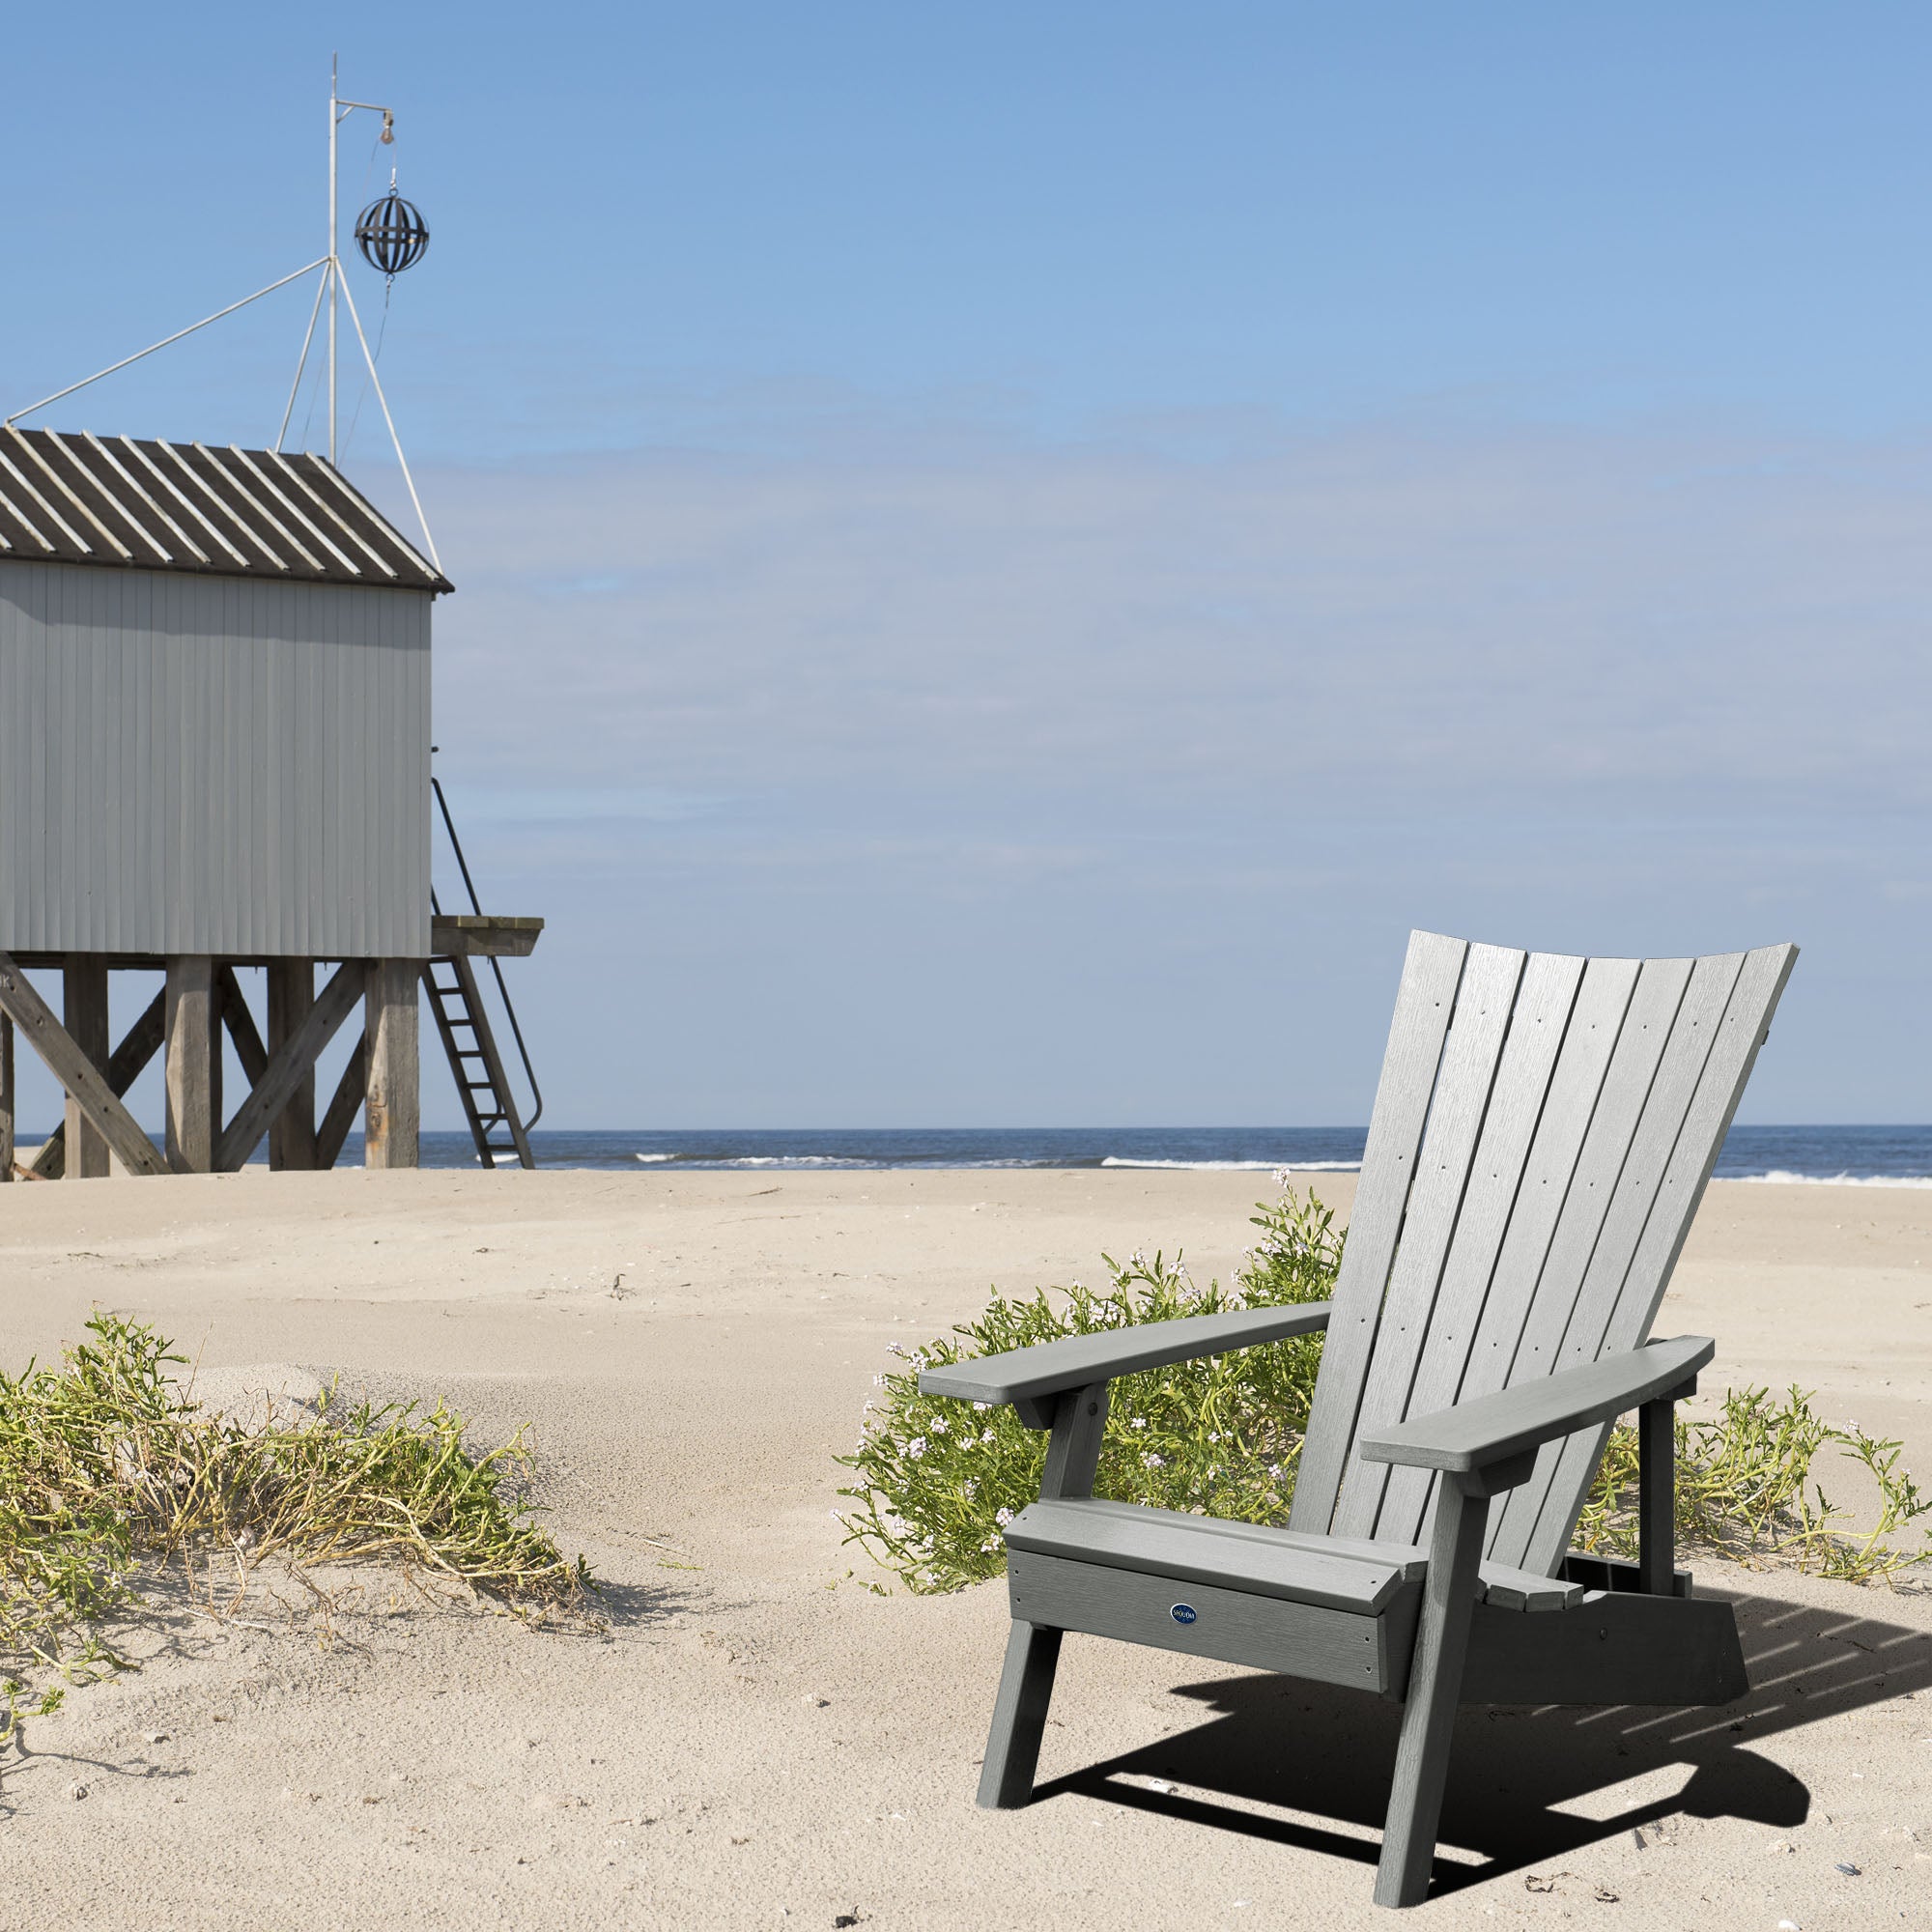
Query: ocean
1883	1156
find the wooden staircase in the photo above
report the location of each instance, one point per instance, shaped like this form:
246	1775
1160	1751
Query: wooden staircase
496	1125
481	1082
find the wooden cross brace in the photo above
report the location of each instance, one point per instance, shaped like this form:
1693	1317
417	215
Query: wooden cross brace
90	1087
289	1065
130	1057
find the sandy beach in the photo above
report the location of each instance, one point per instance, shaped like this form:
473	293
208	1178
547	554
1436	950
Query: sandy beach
759	1739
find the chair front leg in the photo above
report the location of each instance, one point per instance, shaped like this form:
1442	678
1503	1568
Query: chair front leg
1032	1650
1019	1716
1435	1680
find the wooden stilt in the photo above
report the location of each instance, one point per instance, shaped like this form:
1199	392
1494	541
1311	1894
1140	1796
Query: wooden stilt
5	1099
291	995
84	1014
392	1117
193	1063
130	1057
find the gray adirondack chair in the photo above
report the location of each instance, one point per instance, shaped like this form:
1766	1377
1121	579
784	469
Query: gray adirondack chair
1542	1135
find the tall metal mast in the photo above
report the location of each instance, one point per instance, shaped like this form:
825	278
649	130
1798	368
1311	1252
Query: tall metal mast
339	111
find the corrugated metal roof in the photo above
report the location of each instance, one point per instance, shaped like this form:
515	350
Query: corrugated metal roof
67	499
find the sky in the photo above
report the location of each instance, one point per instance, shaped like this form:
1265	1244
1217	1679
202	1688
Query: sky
1006	557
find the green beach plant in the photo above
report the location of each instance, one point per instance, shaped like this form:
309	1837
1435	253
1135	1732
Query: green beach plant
936	1480
110	1471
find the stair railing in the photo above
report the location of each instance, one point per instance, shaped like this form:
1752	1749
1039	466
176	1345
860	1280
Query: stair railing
496	965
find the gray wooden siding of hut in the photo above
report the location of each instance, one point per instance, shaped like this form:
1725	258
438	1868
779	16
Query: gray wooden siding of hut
202	764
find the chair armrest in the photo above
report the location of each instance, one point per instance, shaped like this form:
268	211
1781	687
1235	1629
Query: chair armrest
1025	1375
1491	1429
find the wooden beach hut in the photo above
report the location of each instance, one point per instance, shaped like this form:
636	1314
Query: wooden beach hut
214	755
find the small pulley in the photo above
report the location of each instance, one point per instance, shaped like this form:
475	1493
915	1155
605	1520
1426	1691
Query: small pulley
391	234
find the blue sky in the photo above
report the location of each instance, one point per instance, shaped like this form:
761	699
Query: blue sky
1004	558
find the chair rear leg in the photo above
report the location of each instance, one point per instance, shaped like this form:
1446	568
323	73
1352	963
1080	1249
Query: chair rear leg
1435	1684
1019	1716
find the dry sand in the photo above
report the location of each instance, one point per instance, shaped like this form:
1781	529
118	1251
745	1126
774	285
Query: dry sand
760	1741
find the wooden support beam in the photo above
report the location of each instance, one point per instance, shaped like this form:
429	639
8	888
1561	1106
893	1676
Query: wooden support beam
343	1106
84	1012
76	1073
5	1099
293	1062
193	1063
291	998
392	1115
240	1024
141	1043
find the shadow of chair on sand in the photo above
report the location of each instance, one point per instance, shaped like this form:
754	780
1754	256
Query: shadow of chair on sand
1327	1754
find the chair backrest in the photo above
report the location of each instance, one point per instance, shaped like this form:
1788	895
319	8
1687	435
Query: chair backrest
1541	1139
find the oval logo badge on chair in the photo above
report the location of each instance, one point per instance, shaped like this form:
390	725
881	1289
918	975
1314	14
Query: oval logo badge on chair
1183	1613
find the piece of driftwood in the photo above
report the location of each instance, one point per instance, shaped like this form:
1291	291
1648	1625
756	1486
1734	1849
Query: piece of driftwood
1541	1138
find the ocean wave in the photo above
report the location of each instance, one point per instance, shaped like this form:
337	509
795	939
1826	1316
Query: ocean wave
650	1159
1237	1166
1779	1177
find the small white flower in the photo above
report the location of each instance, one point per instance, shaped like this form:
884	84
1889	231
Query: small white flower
1153	1462
982	1406
940	1425
1140	1422
916	1448
971	1488
986	1439
1003	1518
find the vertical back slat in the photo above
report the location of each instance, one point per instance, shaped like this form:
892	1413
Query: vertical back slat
1429	975
1721	1086
1498	1178
1596	1023
1649	1145
1470	1057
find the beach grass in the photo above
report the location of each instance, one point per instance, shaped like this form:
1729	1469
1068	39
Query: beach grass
111	1469
937	1480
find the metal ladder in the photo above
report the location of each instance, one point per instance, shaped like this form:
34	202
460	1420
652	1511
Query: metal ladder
482	1082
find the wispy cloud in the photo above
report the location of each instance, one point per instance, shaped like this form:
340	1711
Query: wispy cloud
824	739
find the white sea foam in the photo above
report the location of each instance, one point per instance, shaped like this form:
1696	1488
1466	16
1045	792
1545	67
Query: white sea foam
795	1160
1782	1178
649	1159
1238	1166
